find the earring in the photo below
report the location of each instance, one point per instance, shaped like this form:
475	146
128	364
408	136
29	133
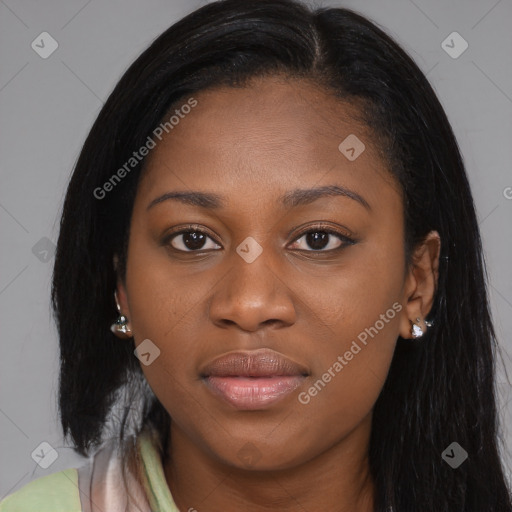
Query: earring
416	329
120	327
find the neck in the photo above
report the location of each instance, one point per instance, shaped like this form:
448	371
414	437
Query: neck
337	479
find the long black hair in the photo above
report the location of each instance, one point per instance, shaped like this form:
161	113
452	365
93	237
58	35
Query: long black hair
438	391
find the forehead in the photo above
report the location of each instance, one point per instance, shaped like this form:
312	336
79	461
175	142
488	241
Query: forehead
274	134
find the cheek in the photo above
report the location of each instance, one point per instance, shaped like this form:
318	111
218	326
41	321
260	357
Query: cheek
357	324
347	298
350	369
349	373
162	296
165	307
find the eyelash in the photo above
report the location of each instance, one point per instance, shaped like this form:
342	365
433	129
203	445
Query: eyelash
346	240
310	229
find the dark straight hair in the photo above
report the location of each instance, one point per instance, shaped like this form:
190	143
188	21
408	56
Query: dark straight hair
438	391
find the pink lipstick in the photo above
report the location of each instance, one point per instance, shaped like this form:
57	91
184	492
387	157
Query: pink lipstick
253	380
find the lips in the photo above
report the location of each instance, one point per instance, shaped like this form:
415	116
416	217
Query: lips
259	363
253	380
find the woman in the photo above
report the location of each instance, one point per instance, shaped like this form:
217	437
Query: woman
269	282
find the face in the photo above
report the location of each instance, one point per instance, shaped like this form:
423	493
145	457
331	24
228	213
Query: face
317	277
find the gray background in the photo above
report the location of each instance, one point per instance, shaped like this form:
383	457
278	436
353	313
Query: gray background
48	105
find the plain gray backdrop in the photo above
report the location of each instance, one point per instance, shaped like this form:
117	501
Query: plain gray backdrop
47	106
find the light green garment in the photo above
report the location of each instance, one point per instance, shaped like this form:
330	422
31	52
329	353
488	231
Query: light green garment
57	492
99	486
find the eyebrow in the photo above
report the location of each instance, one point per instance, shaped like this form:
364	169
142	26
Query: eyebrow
291	199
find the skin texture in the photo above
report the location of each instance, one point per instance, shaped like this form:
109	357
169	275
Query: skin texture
250	145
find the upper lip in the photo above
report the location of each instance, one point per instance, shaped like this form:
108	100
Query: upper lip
256	363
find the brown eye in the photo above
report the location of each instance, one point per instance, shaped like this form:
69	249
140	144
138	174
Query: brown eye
321	240
191	241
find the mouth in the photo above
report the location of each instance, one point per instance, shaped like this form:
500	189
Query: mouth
253	380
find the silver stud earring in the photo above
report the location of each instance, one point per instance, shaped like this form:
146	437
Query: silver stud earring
120	327
416	330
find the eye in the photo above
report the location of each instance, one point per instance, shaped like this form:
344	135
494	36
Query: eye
322	239
318	239
191	240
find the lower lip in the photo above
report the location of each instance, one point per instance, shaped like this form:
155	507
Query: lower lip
253	393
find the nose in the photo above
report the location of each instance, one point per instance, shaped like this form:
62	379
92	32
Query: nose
251	296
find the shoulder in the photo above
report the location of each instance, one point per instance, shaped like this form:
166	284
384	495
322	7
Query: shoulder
57	492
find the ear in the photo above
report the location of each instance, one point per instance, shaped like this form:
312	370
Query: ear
420	283
121	290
